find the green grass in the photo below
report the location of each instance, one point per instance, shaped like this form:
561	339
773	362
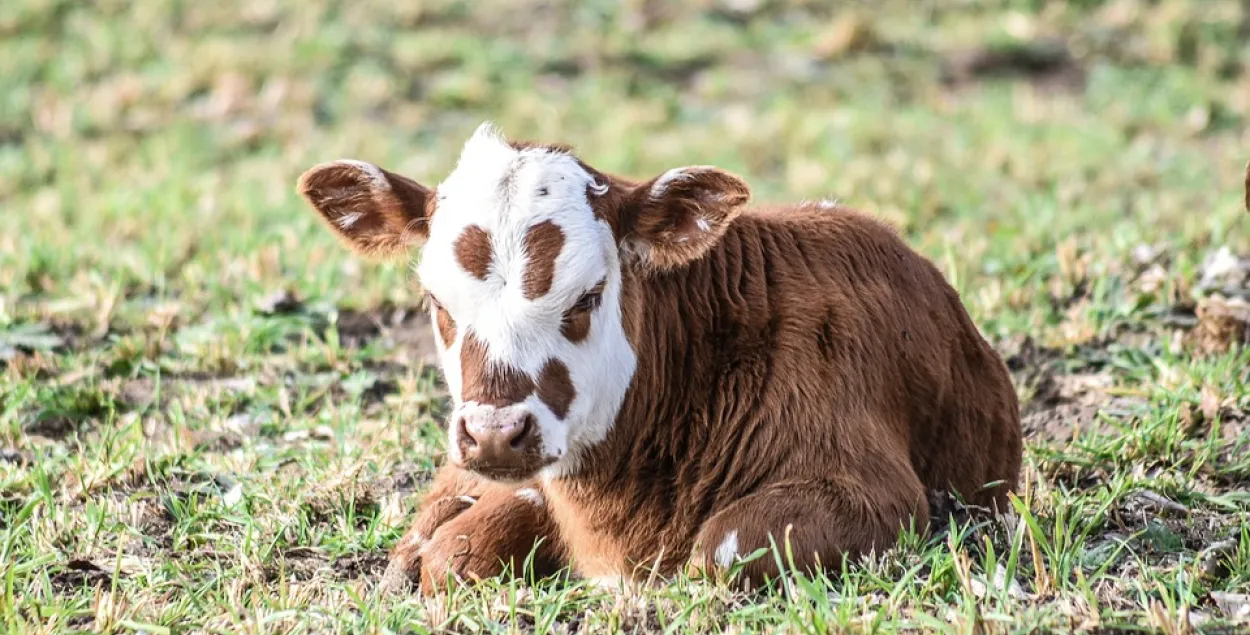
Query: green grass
185	448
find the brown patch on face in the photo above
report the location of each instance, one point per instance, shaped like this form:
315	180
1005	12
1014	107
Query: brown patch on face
555	387
490	383
543	243
473	251
446	326
575	325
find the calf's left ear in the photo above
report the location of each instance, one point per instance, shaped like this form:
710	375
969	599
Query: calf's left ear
376	212
676	217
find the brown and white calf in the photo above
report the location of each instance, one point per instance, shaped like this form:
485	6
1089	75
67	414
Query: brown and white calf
651	375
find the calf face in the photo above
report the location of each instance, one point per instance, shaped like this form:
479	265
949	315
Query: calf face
524	254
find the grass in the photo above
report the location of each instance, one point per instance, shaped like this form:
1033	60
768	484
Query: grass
214	419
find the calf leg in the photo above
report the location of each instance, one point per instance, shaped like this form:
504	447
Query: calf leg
824	521
473	528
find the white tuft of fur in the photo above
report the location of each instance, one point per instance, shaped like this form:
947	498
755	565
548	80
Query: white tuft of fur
532	495
660	186
727	551
668	178
347	220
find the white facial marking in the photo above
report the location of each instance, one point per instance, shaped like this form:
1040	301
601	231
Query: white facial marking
505	191
532	495
727	550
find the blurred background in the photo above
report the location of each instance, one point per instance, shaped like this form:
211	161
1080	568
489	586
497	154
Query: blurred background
156	143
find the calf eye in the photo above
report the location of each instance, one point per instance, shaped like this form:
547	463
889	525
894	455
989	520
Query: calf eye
589	301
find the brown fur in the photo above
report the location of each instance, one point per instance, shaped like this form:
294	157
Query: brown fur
474	252
802	375
446	326
543	243
390	220
453	536
850	402
575	324
555	388
487	382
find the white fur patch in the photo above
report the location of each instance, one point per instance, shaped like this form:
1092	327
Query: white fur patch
828	203
703	224
661	184
532	495
607	582
727	551
347	220
468	499
676	174
411	540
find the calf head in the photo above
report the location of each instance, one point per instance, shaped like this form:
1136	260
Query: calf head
524	251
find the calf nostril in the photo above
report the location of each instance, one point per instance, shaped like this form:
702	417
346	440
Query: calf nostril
462	429
522	433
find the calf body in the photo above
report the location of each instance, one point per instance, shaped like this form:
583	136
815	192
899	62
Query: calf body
728	378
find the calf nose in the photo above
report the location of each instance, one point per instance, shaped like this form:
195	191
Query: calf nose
495	438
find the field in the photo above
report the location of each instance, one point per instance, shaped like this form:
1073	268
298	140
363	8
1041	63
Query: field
215	419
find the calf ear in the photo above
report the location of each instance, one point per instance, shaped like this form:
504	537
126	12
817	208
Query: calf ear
377	213
677	216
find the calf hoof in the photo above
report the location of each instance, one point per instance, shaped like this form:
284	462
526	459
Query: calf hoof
450	557
407	555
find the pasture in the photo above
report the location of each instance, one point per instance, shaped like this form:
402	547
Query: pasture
214	418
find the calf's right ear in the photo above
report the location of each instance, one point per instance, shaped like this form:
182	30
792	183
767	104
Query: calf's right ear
375	212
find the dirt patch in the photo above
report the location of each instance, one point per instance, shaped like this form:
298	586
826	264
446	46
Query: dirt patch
77	574
63	411
144	392
1067	392
405	478
1046	62
368	564
406	327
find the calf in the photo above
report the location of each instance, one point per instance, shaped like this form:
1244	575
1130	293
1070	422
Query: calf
648	376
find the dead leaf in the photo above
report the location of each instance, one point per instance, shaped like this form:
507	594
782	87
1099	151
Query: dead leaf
1222	323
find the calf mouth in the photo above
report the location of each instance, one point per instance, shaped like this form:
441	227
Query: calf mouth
510	472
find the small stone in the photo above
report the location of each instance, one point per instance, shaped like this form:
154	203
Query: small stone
1234	605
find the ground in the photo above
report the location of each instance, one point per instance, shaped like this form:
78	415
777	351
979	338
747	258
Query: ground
214	419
